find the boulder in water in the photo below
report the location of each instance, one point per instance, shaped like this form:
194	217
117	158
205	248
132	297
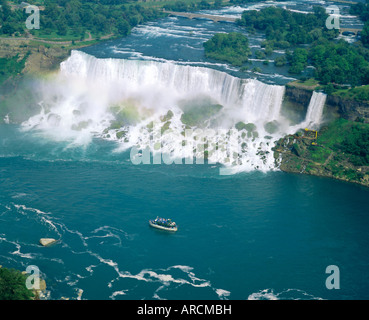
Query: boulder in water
47	241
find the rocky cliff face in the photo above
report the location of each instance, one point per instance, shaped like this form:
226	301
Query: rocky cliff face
295	103
349	109
335	106
298	95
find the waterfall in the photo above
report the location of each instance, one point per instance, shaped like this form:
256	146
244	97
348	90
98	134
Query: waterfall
315	109
257	100
123	100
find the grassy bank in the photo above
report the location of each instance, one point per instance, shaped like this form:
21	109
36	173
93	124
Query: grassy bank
308	84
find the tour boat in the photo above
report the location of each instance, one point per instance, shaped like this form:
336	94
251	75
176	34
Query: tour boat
163	224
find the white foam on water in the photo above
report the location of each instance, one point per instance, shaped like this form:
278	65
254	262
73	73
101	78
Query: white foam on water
222	294
118	293
288	294
6	119
42	216
266	294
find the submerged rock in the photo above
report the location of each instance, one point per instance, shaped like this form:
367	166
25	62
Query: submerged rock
249	127
271	127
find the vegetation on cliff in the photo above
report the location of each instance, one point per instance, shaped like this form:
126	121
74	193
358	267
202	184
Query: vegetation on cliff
341	151
12	66
360	93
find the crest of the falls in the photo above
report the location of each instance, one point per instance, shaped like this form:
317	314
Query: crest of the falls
180	110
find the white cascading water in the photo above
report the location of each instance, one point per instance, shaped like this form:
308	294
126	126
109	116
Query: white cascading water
315	110
314	113
127	100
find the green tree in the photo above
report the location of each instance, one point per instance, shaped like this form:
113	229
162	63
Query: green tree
298	60
13	285
62	27
5	10
340	62
357	145
8	28
365	35
123	27
232	47
284	25
280	61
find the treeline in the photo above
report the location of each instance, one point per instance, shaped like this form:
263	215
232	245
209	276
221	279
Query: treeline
81	16
75	18
181	6
284	28
11	22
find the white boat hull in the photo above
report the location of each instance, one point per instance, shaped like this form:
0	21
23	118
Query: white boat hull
162	227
